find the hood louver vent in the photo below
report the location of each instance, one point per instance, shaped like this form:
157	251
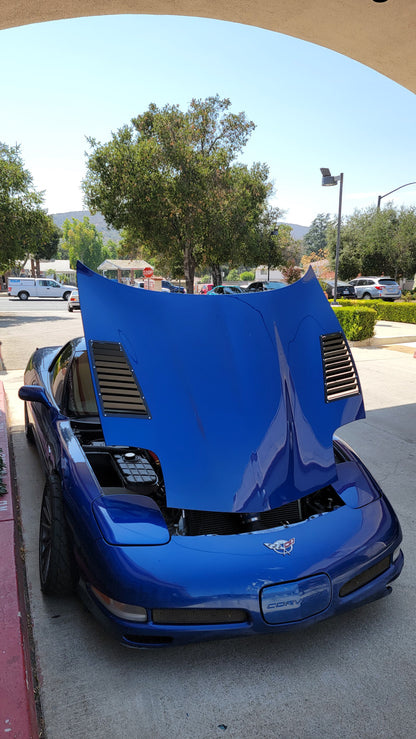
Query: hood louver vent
118	388
340	376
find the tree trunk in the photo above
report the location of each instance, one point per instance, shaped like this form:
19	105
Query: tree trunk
189	268
37	267
216	274
32	267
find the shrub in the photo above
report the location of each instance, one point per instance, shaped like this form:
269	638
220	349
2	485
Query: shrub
398	311
357	322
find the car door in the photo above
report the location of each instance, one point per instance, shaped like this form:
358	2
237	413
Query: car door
49	289
359	287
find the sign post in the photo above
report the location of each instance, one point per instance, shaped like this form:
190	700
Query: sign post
148	273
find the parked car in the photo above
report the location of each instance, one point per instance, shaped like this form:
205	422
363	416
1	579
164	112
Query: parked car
344	289
37	287
376	287
261	286
178	524
73	301
166	285
206	288
225	290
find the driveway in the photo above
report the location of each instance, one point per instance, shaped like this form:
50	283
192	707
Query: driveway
352	676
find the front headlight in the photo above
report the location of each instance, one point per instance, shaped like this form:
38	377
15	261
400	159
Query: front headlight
122	610
396	554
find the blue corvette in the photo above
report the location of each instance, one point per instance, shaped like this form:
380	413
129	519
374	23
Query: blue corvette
195	496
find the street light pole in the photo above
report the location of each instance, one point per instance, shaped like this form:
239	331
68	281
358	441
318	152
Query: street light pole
329	181
273	233
341	183
389	193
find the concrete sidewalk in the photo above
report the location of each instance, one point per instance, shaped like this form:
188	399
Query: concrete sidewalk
390	332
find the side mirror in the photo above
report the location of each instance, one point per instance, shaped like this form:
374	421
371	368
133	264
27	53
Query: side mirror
34	394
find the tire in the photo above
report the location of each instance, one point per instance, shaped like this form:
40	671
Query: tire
66	295
23	295
70	308
28	428
366	296
57	569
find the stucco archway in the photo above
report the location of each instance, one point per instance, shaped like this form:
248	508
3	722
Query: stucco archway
378	34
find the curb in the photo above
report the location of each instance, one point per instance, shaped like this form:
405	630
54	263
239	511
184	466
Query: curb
17	702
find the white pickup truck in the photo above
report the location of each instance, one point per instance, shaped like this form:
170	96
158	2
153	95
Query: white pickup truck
37	287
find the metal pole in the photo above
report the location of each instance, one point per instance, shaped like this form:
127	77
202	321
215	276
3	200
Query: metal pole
341	182
389	193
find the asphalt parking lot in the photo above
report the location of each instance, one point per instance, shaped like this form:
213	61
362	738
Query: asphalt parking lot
353	676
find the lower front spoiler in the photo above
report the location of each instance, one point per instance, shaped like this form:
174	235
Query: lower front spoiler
150	635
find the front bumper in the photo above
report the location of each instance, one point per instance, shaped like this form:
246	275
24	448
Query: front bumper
211	587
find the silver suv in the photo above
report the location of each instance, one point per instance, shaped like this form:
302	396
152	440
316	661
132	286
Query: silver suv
376	287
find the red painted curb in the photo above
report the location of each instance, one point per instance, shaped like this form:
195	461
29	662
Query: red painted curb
17	705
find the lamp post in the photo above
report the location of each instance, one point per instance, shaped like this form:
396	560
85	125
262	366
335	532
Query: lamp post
273	233
329	181
389	193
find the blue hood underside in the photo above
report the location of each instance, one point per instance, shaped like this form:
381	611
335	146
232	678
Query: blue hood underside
230	392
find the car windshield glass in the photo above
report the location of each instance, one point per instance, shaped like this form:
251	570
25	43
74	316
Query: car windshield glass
81	398
385	281
59	370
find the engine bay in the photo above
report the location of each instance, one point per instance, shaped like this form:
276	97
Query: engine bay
121	469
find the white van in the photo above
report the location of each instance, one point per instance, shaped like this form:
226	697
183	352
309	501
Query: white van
37	287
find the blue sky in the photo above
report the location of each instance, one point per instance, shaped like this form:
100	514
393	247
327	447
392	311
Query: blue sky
65	80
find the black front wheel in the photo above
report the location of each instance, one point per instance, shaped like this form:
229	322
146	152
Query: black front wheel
66	295
28	428
57	568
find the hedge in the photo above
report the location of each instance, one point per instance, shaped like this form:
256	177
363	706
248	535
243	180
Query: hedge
398	311
357	322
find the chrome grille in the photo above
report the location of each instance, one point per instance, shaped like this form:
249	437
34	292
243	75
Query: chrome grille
119	391
340	376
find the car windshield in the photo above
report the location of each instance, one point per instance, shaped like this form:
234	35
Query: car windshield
387	281
80	396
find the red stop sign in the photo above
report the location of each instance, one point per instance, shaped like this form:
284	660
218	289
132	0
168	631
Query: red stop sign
148	272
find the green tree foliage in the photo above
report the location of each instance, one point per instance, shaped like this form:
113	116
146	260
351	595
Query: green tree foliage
316	238
233	275
171	181
291	273
25	228
83	241
375	242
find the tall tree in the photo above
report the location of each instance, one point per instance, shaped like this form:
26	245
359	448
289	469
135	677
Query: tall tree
84	242
315	240
167	179
25	228
376	241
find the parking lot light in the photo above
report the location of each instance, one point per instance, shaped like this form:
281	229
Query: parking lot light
329	180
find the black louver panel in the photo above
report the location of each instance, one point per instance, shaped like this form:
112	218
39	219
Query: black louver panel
340	376
119	390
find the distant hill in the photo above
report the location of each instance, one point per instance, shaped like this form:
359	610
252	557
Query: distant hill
298	232
98	221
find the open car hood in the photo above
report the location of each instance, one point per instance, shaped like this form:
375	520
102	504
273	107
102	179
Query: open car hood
239	396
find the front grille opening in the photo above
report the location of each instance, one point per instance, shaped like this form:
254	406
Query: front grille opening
365	577
199	616
119	391
202	523
340	376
